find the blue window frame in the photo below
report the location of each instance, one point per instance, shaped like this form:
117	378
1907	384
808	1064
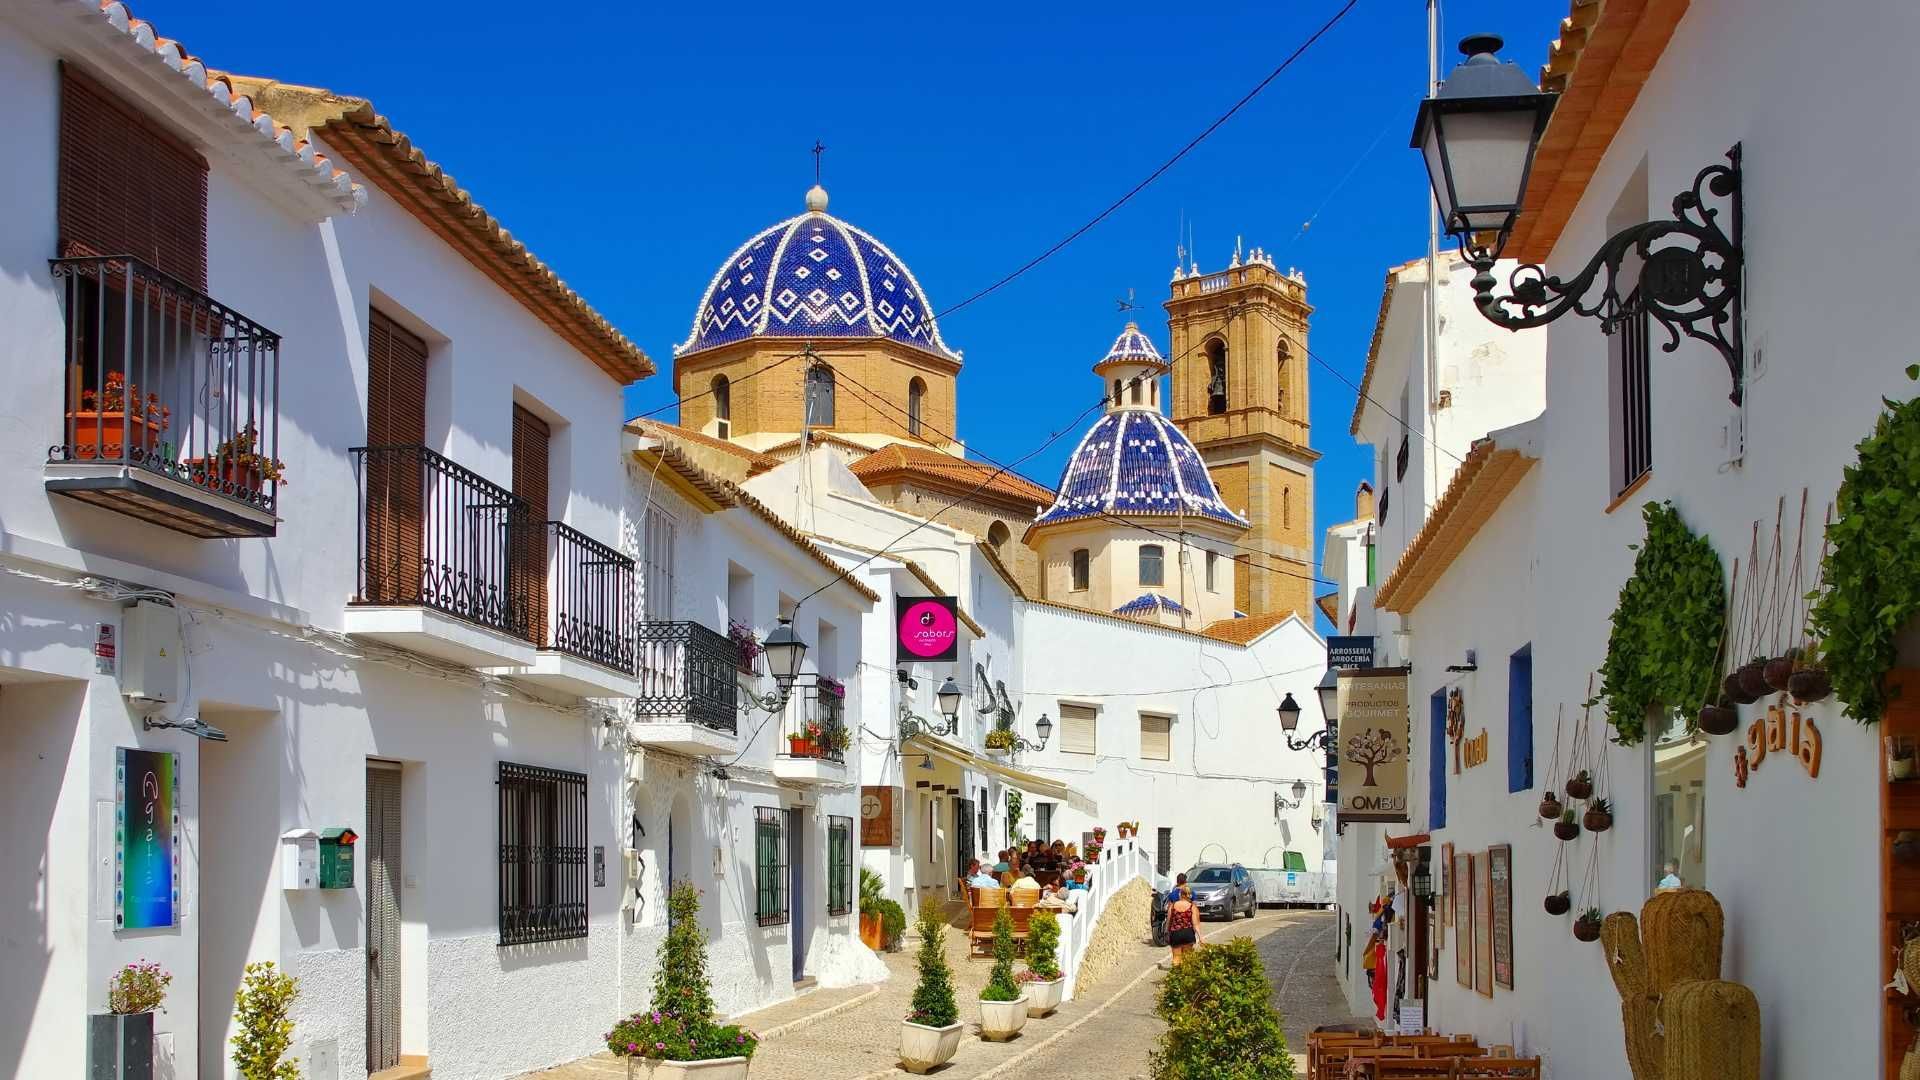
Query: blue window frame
1437	762
1520	719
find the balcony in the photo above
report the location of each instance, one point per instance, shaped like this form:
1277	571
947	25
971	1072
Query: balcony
172	403
689	690
815	739
583	610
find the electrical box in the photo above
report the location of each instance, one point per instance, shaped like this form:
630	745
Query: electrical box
336	857
151	654
299	859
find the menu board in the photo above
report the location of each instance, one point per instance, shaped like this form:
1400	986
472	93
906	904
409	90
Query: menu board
1463	927
1500	862
1449	888
1483	925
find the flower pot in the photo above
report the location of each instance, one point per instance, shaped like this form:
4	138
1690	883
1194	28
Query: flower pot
111	436
224	475
1753	679
1732	687
1566	830
1550	808
1559	903
1777	671
1044	997
802	746
1585	929
1579	787
1809	684
1002	1020
733	1068
923	1048
120	1046
1596	821
872	931
998	753
1718	719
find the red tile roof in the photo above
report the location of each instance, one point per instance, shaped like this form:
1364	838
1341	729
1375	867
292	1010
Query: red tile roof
952	475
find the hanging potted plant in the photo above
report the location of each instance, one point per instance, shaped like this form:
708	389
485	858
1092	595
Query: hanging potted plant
1587	926
1566	828
1550	806
1580	785
1559	903
125	1030
806	741
747	644
931	1032
680	1038
873	890
1720	718
1042	980
1599	816
1003	1007
1667	630
999	743
116	420
237	465
833	739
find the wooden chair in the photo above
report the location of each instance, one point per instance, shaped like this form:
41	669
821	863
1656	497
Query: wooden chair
985	904
1496	1068
1023	898
1327	1050
1363	1060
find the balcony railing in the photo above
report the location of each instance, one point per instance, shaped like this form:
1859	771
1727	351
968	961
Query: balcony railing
170	382
590	600
816	726
687	672
434	534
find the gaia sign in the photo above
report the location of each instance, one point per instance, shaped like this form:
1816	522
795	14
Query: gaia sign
928	629
1373	744
146	870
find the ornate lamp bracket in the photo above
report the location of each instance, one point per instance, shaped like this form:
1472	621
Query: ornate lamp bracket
1691	285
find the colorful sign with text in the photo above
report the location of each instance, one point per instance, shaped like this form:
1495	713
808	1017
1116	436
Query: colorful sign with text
146	872
1373	744
929	629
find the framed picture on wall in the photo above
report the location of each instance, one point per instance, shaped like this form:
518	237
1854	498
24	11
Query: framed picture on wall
1483	925
1463	927
1447	890
1500	868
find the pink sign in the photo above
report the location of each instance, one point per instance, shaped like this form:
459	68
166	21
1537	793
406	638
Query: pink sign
929	628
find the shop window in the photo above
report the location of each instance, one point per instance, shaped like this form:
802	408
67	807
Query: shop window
1437	761
839	865
1520	720
769	867
1679	806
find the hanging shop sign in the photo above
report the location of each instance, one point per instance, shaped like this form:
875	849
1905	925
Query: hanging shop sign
928	629
1373	744
1351	651
1467	752
146	870
876	815
1779	730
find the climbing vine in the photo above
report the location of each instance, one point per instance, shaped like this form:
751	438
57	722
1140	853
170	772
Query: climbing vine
1665	643
1871	574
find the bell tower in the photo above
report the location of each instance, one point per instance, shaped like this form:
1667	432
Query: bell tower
1239	348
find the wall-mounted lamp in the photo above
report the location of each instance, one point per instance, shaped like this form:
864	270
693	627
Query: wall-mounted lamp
785	651
1290	721
947	698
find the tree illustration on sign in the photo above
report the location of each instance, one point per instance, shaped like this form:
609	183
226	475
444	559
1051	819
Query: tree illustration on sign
1374	746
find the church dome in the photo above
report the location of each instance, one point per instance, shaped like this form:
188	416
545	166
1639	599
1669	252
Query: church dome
1132	463
814	276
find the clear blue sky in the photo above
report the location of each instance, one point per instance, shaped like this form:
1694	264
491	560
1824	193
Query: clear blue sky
634	148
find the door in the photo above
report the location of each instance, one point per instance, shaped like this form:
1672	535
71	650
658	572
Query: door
381	847
963	837
527	531
796	895
395	476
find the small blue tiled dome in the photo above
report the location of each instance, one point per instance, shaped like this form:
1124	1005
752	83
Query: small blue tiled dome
1135	462
814	276
1148	603
1133	346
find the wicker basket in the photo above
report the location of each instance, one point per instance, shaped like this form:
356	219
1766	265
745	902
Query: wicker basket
1713	1031
1910	963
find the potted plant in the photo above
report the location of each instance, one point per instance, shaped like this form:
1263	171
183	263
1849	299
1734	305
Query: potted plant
1042	979
1900	757
831	687
747	643
1736	690
873	890
1580	785
1550	806
1720	718
679	1037
125	1030
931	1032
999	742
1599	816
1559	903
806	741
263	1019
1809	681
1587	926
1778	670
116	414
1566	828
834	739
237	463
1753	678
1003	1008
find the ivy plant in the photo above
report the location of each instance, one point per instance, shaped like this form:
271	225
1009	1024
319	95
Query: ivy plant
1665	643
1871	576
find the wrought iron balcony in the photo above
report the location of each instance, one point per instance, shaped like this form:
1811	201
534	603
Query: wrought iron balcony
172	402
816	727
687	674
589	600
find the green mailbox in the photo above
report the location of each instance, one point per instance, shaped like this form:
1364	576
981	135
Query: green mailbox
336	858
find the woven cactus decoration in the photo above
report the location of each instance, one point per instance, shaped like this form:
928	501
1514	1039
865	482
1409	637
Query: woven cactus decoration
1681	1021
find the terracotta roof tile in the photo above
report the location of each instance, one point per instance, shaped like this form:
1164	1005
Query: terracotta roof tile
1477	489
953	475
662	430
1244	630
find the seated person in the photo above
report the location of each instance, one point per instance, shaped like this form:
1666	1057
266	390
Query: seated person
978	878
1058	853
1025	881
1000	866
1059	898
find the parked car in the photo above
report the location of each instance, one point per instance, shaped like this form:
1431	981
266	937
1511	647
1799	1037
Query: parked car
1223	890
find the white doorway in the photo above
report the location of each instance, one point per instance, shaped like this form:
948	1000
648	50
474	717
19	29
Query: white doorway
238	854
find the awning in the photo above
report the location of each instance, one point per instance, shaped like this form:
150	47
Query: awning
1032	783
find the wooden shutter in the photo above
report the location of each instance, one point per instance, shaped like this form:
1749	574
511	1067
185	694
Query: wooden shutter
381	849
1077	734
531	439
1156	741
128	186
395	479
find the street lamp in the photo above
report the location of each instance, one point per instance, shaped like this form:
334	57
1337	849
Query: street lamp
1289	713
1478	134
785	650
1290	720
1329	691
948	697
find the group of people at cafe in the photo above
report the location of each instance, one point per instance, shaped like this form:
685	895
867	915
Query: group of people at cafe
1055	871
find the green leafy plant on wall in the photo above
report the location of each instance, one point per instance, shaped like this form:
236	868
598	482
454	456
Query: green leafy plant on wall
1664	648
1016	806
262	1009
1871	576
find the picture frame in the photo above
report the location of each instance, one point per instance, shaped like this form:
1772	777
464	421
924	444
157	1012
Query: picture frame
1463	928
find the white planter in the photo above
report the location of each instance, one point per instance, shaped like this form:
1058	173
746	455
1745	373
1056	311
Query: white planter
1002	1020
923	1047
1044	997
998	753
733	1068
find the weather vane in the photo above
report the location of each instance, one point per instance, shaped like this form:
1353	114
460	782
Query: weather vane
818	149
1128	304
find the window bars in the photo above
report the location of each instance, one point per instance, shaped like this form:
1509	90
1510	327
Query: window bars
839	865
543	854
769	867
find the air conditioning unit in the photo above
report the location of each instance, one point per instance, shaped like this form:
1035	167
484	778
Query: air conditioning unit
151	654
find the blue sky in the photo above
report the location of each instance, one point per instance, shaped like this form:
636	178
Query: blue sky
634	148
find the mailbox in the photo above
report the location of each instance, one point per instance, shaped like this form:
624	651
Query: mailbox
336	858
300	859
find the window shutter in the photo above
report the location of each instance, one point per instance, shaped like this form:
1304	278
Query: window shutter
127	186
1437	762
1156	743
531	437
396	416
1076	729
1520	720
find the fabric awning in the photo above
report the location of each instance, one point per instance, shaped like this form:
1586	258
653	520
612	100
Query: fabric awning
1020	778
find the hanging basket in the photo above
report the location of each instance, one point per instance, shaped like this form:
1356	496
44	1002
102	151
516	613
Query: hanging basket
1809	684
1721	719
1566	830
1579	786
1559	903
1586	929
1753	680
1550	808
1597	820
1734	689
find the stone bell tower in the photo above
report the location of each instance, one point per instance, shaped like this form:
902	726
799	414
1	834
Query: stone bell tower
1239	349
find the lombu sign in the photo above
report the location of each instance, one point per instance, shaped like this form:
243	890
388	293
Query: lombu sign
1373	744
928	629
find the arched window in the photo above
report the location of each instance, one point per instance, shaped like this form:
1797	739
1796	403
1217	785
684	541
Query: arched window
916	404
722	406
1285	353
1082	569
1286	507
1216	376
1137	380
997	536
820	396
1151	562
1117	384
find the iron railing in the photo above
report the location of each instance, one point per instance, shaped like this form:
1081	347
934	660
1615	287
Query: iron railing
817	726
435	534
163	377
590	600
543	854
769	866
687	672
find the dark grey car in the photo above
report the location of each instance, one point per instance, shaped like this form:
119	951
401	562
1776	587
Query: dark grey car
1223	890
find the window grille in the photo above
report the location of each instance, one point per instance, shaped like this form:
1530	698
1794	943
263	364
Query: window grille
769	867
1635	408
1043	822
839	865
543	854
1163	852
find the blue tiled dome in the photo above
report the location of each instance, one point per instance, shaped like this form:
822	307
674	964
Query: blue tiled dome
814	276
1135	462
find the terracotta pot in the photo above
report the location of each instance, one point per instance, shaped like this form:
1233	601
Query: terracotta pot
99	436
1585	929
1566	830
1578	788
923	1048
873	933
1550	808
1002	1020
1777	671
1596	821
1753	679
1044	997
224	475
1809	684
801	746
1737	693
1718	719
1559	903
733	1068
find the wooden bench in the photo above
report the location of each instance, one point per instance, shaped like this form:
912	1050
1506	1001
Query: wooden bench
984	909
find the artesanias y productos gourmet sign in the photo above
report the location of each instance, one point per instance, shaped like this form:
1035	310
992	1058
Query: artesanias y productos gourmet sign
927	629
1373	744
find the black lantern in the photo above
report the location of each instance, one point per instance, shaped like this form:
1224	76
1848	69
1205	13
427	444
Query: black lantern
1043	727
1478	134
1423	882
1289	714
1299	791
948	697
1329	690
785	652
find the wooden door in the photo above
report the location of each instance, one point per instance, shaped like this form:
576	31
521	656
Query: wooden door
392	570
381	846
531	439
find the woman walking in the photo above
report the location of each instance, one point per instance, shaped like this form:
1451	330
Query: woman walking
1180	923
